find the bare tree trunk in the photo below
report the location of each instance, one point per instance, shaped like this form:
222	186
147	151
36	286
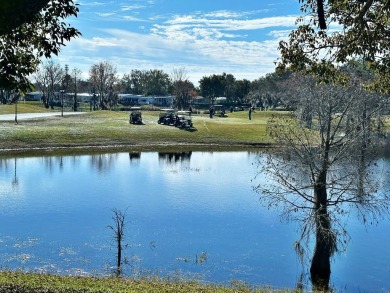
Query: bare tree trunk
323	250
119	253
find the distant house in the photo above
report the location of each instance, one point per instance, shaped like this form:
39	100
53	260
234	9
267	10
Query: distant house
33	96
131	99
84	97
199	100
220	100
164	101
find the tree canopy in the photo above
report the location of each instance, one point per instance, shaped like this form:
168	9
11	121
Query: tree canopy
11	16
153	82
24	42
353	29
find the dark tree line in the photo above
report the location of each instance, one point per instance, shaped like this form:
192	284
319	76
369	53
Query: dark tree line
225	85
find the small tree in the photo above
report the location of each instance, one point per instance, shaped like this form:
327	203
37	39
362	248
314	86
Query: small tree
103	77
211	87
182	88
241	90
119	218
49	79
155	82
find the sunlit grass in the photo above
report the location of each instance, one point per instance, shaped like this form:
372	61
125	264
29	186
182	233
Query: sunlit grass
23	283
23	107
112	129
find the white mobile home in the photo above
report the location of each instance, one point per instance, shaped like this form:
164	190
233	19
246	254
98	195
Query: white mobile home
131	99
84	97
164	101
33	96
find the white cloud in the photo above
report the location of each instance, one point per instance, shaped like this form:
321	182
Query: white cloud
105	14
240	43
128	50
279	34
132	18
192	28
225	14
132	7
93	4
235	24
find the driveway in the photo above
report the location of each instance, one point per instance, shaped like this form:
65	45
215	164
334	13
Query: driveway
23	116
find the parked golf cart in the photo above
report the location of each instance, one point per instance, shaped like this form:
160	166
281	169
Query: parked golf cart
219	110
183	119
135	115
167	117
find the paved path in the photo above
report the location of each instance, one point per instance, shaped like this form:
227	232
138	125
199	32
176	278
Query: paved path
23	116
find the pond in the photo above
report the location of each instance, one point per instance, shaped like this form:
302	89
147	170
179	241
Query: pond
191	214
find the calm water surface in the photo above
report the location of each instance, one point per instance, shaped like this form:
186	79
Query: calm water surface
189	215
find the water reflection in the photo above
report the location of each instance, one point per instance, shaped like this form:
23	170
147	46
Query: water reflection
15	181
103	163
182	207
174	157
135	156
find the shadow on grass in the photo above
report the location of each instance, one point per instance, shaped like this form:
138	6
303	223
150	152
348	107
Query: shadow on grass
189	129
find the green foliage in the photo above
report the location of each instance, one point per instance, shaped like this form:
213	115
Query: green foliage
153	82
217	86
11	16
41	35
156	83
354	29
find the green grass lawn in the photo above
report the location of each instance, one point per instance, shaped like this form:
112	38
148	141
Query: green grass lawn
23	107
111	129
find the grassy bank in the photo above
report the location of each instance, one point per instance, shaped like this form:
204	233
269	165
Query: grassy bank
111	130
32	283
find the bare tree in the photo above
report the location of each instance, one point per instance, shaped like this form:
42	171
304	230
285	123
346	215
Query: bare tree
118	228
321	172
104	78
49	79
182	88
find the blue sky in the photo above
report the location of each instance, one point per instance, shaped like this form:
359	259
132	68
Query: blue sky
203	36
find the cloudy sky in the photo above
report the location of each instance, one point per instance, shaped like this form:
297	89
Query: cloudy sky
203	36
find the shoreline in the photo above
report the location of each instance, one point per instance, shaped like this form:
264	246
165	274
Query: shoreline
167	147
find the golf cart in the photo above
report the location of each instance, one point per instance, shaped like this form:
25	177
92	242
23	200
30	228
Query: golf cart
135	115
183	119
219	110
167	117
